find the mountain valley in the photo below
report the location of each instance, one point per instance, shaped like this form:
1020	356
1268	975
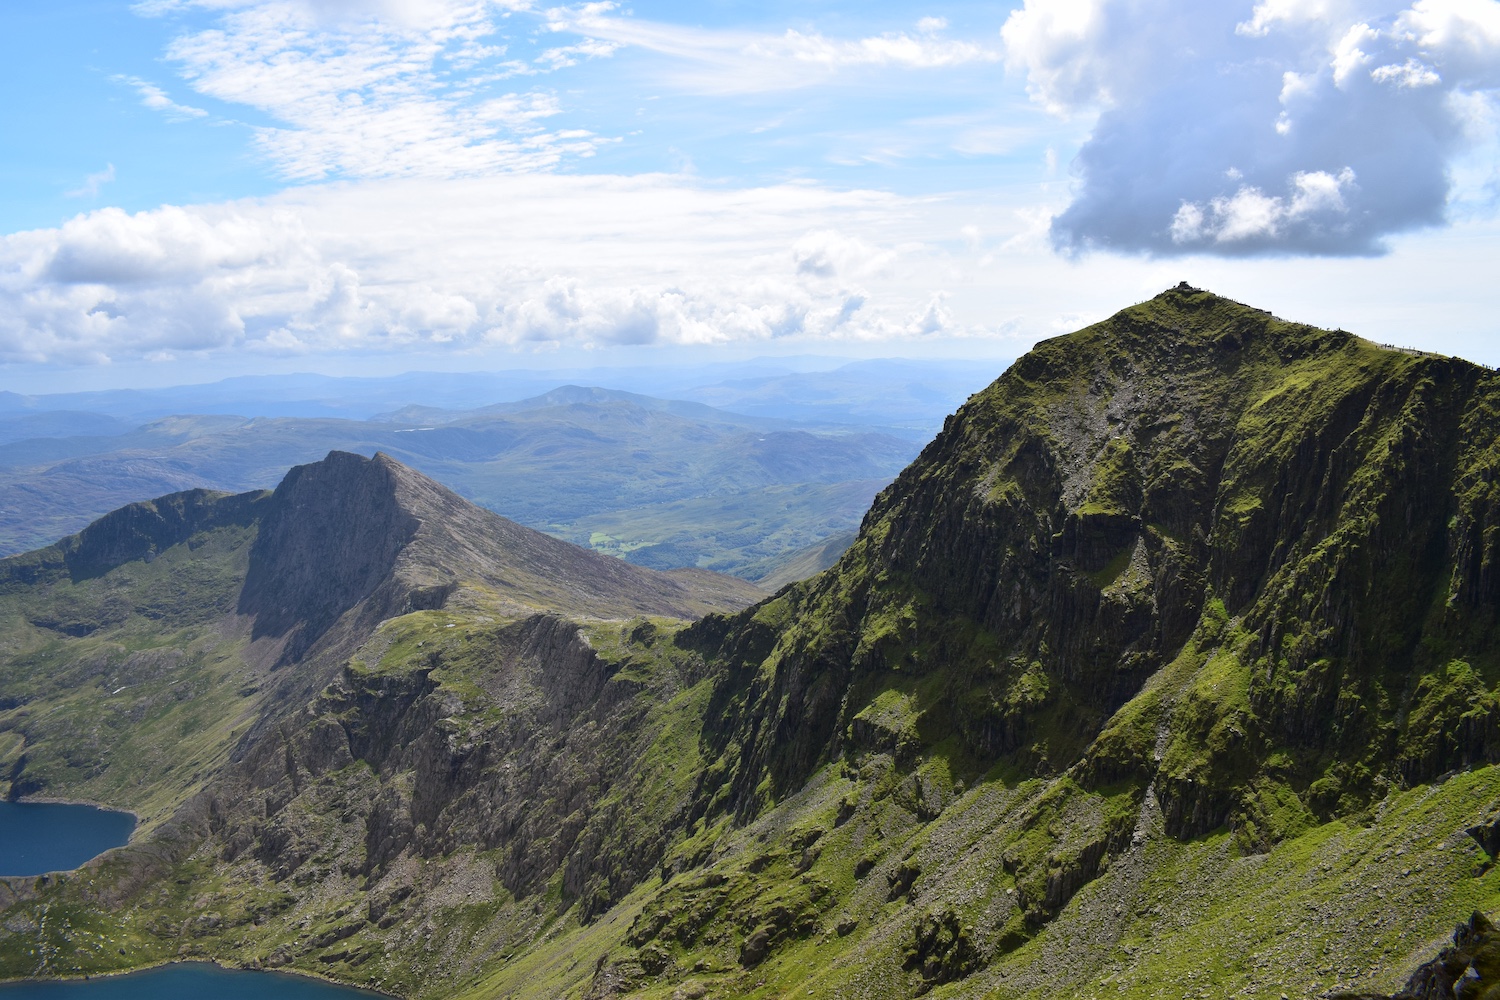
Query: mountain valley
663	483
1168	668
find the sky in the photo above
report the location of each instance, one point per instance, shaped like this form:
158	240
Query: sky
197	188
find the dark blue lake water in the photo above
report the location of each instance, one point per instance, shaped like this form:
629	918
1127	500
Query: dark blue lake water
40	837
187	981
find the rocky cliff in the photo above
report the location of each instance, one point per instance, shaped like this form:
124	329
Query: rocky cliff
1191	481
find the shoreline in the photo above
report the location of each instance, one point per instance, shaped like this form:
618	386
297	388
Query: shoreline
140	969
50	801
135	827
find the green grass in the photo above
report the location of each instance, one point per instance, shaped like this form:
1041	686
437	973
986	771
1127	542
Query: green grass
143	708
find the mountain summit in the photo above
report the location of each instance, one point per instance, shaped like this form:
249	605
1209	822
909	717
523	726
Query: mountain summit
187	608
349	529
1289	532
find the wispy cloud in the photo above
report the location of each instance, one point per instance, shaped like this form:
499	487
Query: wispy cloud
728	61
156	99
570	55
92	183
390	89
418	88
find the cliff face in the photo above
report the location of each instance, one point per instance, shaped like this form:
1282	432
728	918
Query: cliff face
330	536
374	536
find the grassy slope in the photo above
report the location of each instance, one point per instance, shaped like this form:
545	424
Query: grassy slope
141	709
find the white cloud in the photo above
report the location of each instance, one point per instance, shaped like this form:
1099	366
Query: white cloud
1310	127
569	55
730	61
360	90
1274	13
1061	46
477	271
1251	214
508	261
156	99
828	253
92	183
1465	32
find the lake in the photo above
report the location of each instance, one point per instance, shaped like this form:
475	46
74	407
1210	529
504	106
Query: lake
188	981
41	837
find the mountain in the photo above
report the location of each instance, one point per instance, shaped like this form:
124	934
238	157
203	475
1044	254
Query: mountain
56	424
589	465
579	395
168	630
1169	668
918	393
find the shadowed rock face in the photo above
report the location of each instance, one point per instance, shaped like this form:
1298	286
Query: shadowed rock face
1319	508
330	536
352	532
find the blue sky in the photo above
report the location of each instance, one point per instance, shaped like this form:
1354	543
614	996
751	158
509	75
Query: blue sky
201	187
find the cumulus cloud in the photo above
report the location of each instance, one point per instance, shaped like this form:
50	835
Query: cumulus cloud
1289	126
509	261
828	253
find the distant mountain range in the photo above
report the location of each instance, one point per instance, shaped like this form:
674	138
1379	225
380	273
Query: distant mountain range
784	460
905	396
661	483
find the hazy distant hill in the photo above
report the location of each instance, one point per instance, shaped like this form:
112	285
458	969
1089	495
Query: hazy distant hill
901	395
908	395
594	466
58	423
